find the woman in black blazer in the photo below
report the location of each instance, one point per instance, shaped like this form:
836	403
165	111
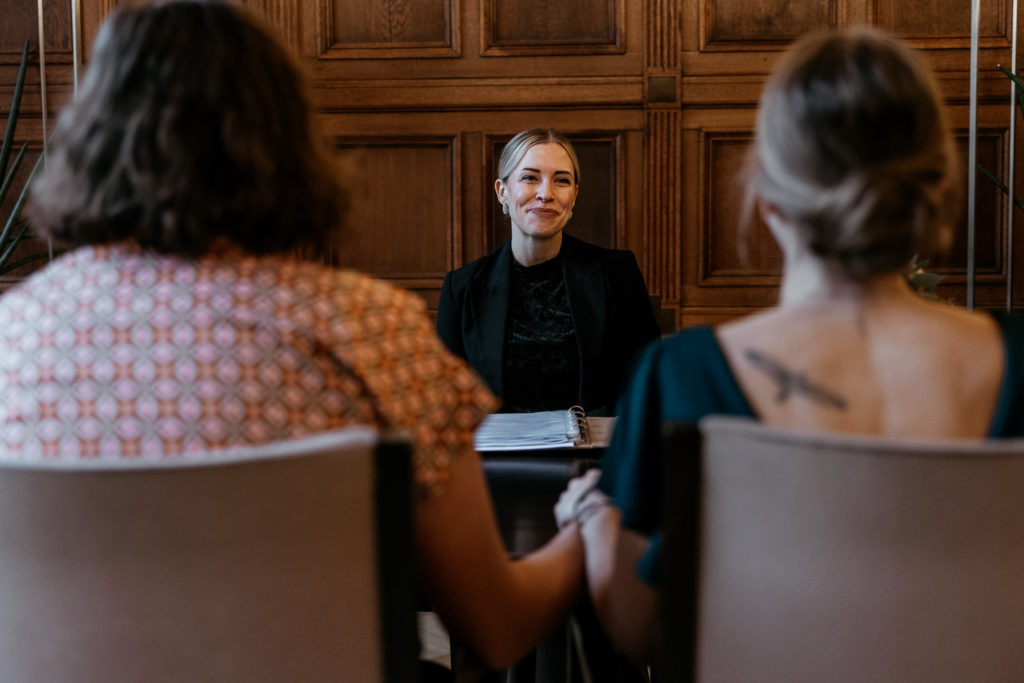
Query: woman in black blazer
547	320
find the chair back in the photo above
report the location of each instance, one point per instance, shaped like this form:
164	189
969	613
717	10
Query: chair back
284	562
827	557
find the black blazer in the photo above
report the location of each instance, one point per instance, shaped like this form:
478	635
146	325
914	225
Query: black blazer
610	306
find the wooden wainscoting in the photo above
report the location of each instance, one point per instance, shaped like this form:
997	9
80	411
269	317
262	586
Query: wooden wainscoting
659	95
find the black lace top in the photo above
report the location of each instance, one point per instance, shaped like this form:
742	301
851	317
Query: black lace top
542	363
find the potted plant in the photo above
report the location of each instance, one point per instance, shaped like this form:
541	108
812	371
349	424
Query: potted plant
14	228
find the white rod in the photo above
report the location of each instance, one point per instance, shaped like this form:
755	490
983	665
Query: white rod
76	40
42	72
1010	183
42	99
972	151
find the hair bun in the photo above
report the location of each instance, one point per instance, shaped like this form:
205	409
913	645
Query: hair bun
874	221
853	146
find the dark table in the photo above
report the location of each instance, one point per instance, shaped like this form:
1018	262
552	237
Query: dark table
525	486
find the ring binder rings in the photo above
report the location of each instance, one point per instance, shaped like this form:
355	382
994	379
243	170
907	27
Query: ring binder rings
546	429
576	425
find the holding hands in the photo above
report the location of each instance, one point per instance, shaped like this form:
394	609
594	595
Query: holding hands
580	500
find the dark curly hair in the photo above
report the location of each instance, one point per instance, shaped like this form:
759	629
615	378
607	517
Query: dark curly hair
193	123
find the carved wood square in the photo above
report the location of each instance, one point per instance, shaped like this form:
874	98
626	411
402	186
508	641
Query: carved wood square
540	27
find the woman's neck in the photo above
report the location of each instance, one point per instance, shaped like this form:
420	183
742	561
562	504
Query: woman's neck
810	281
529	251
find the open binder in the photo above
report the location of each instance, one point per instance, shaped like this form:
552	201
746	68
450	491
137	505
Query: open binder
545	429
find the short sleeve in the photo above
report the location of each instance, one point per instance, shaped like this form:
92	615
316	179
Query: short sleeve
682	378
414	382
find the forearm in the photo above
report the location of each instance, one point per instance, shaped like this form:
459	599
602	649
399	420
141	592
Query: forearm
546	585
497	608
626	607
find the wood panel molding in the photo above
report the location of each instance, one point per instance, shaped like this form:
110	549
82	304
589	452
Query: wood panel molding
538	27
660	257
662	83
406	211
663	205
479	93
385	29
282	16
21	23
731	254
939	24
739	25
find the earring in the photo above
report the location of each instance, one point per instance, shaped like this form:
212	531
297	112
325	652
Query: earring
504	208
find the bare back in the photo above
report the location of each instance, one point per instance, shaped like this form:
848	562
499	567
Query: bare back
899	366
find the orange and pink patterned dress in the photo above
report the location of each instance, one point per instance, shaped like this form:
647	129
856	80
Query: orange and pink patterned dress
112	352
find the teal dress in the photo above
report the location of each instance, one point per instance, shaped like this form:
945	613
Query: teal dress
686	377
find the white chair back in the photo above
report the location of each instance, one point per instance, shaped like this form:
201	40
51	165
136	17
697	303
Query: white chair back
827	557
268	563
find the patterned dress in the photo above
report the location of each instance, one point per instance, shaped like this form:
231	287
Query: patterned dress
112	352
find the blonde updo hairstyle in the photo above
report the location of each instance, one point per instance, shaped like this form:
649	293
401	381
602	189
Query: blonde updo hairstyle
853	147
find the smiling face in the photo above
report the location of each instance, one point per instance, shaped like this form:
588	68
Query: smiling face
539	194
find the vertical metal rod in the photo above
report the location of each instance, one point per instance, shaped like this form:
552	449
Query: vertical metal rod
972	151
1010	183
42	99
42	72
76	40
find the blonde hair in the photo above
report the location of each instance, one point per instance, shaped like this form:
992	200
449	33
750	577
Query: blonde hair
853	146
517	147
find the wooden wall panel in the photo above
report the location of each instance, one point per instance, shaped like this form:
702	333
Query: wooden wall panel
357	29
731	23
663	204
732	253
659	252
937	19
746	261
391	22
540	27
660	94
285	17
20	23
405	206
989	214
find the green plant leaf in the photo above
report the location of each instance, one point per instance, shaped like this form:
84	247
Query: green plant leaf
11	173
13	219
1016	202
14	265
9	249
31	258
1020	86
12	117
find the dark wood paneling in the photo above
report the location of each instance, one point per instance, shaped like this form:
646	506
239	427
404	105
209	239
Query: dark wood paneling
733	253
731	24
660	95
989	214
390	29
20	22
540	27
284	17
937	19
405	206
391	22
743	264
664	204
